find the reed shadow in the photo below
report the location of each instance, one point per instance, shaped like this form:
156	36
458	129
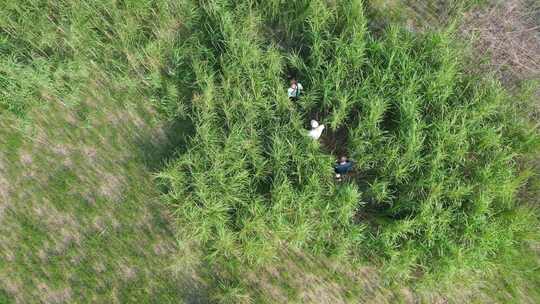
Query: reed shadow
156	151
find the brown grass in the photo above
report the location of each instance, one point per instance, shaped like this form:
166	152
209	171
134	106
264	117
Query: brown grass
321	280
507	34
53	296
4	189
111	186
127	272
26	158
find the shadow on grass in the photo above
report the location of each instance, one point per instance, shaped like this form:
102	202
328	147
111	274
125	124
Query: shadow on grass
5	297
157	152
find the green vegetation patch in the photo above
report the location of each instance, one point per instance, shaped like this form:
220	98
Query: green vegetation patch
436	175
95	96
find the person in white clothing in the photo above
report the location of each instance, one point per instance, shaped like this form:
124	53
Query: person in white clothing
316	130
295	90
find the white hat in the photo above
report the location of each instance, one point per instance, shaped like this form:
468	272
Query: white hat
314	124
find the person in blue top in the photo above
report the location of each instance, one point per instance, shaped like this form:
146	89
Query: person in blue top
295	90
342	167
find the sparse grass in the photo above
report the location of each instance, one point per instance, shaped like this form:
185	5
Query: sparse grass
505	35
80	219
81	223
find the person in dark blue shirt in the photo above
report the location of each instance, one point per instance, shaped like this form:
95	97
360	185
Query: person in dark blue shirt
342	167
